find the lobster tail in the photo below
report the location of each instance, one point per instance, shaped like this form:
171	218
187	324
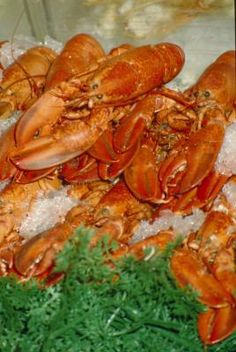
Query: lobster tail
172	58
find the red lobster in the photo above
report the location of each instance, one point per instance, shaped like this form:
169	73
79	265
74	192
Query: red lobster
120	80
188	170
79	53
24	80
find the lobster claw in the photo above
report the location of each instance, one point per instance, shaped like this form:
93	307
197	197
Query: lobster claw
109	171
32	176
196	160
7	106
215	325
78	54
115	203
40	154
224	269
141	176
156	243
111	164
132	125
103	148
189	269
37	255
69	140
202	153
211	186
8	249
169	168
7	144
82	168
35	118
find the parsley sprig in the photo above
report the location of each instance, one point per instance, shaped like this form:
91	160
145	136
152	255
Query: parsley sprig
133	306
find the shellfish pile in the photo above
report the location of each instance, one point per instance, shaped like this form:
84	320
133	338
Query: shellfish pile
129	150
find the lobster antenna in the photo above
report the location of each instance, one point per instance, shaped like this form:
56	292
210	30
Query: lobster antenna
12	53
14	31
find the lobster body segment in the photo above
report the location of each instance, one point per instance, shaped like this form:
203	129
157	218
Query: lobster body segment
78	54
137	71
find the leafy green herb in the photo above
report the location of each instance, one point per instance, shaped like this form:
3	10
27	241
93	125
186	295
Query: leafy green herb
134	306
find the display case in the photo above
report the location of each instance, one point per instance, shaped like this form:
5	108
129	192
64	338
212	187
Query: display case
203	28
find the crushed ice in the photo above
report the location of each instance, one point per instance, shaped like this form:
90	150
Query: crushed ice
182	225
46	212
49	210
229	191
226	161
53	44
6	123
3	184
13	49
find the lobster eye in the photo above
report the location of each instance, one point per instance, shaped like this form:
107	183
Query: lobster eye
95	86
104	212
36	133
195	94
99	96
206	94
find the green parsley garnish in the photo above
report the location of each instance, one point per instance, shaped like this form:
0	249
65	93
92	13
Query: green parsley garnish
135	306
